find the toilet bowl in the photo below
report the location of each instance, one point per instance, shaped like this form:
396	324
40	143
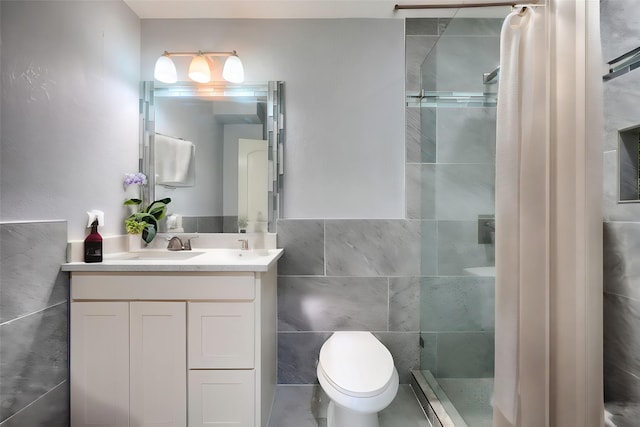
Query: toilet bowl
356	372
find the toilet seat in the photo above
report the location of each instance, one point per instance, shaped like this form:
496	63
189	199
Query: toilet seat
356	364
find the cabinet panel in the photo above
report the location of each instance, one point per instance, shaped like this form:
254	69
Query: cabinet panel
158	364
99	364
221	398
221	335
162	286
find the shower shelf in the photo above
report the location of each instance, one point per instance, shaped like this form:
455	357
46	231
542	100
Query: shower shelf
623	64
451	99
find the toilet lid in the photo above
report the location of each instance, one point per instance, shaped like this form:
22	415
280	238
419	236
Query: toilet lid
356	363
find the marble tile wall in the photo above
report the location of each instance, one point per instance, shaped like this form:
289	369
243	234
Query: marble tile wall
33	324
341	275
621	220
449	183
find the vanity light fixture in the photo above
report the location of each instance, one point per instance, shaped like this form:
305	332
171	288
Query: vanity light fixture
199	69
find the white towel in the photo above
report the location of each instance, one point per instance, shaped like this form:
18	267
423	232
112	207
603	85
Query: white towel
174	161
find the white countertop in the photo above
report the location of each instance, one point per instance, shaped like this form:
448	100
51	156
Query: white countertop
207	260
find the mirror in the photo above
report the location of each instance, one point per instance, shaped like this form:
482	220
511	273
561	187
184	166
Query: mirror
216	150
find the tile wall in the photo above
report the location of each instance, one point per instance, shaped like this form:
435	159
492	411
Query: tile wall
380	274
33	325
621	220
339	275
449	184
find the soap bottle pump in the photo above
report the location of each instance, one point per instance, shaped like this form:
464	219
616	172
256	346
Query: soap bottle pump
93	245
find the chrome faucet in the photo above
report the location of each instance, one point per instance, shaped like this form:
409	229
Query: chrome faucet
175	244
244	244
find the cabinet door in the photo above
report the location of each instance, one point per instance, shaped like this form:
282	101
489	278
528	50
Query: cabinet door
221	398
221	335
99	364
158	364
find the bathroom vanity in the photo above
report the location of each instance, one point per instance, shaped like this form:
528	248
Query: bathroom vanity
162	341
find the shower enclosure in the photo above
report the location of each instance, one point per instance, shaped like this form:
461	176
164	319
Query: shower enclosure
452	83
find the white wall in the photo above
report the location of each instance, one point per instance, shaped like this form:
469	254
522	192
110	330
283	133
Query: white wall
344	155
70	73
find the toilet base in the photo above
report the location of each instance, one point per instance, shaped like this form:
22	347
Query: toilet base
338	416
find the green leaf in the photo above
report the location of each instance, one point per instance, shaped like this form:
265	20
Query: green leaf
149	233
158	208
132	202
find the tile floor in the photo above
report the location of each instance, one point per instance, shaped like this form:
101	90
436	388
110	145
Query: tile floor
306	406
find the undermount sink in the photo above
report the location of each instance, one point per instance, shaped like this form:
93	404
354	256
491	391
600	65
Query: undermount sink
241	254
158	255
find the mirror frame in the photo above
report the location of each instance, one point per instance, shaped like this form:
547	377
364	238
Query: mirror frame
274	128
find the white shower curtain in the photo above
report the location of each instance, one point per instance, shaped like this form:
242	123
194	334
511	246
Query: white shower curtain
521	203
548	362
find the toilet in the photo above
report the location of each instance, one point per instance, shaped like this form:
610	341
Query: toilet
357	372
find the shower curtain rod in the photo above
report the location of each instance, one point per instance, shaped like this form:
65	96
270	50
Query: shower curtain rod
465	5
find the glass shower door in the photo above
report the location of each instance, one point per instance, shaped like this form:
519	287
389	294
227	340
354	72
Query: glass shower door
457	180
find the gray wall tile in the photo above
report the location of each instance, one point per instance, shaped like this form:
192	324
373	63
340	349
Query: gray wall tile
332	303
421	26
429	354
457	304
413	134
429	255
209	224
298	354
34	357
303	243
373	247
416	50
474	27
620	106
404	304
190	224
465	355
421	191
448	67
30	258
619	30
428	126
467	135
458	248
622	348
621	265
405	349
464	191
230	224
51	410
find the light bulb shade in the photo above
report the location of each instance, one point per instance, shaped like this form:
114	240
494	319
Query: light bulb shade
199	70
233	70
165	70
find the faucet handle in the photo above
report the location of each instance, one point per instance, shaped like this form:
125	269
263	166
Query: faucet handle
187	244
244	244
175	244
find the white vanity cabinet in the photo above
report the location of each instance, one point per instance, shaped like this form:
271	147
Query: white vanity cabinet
172	348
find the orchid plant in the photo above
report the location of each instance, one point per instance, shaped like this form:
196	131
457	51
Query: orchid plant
145	220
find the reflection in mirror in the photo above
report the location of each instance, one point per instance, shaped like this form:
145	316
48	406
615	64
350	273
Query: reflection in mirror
216	151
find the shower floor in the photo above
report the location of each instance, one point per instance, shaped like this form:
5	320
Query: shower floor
467	401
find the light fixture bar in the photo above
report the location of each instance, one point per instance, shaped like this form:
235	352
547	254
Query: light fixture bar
232	53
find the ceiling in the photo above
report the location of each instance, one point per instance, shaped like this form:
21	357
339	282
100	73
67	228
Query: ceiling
298	9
